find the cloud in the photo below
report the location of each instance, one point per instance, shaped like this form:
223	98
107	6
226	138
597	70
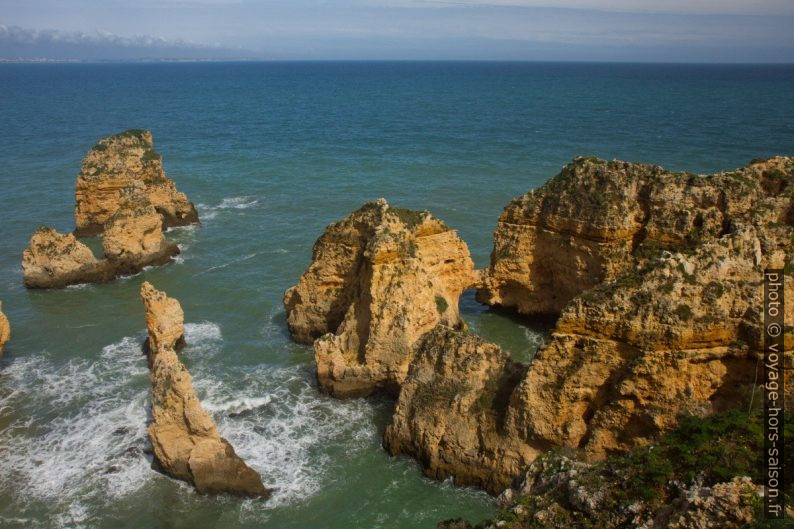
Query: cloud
688	7
26	43
15	35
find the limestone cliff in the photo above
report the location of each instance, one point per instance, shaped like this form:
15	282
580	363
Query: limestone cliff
450	414
123	161
5	329
55	260
596	220
184	438
133	239
628	357
659	288
674	324
379	279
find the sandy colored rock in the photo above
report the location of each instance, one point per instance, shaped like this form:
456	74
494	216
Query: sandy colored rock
724	505
55	260
379	280
120	162
450	414
5	329
133	238
679	329
184	438
629	356
596	220
659	285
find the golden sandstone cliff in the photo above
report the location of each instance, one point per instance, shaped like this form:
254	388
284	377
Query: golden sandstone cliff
124	195
379	280
184	438
5	329
120	162
656	280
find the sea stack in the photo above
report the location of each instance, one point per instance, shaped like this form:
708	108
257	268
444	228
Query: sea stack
379	280
119	162
5	329
184	438
124	196
55	260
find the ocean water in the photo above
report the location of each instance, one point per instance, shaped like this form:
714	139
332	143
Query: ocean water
271	153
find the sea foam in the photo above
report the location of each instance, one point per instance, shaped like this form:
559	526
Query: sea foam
88	440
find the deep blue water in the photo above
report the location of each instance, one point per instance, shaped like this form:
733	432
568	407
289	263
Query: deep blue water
271	153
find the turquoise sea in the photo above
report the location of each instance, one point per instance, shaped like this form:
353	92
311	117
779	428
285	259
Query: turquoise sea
271	153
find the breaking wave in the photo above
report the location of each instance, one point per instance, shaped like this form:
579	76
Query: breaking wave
73	433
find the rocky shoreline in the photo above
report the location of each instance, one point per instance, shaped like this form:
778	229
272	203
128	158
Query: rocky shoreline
654	278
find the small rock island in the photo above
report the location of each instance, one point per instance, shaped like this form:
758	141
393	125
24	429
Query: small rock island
184	438
122	194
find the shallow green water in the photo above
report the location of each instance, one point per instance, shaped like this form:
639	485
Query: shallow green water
271	153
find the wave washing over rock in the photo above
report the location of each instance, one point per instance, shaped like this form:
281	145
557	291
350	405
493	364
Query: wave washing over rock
273	416
185	439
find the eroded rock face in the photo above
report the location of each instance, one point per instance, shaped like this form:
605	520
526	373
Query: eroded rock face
678	329
184	438
120	162
5	329
55	260
596	220
629	356
134	239
660	287
451	412
378	281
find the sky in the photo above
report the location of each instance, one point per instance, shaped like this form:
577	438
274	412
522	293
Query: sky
545	30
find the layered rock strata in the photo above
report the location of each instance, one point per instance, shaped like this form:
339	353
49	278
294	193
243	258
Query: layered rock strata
55	260
655	322
379	280
184	438
596	220
118	163
134	239
5	329
451	412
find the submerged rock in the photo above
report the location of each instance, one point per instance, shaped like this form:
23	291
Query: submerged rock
55	260
119	162
5	329
379	280
451	412
185	440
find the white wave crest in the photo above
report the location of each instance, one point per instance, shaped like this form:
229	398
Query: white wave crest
238	203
